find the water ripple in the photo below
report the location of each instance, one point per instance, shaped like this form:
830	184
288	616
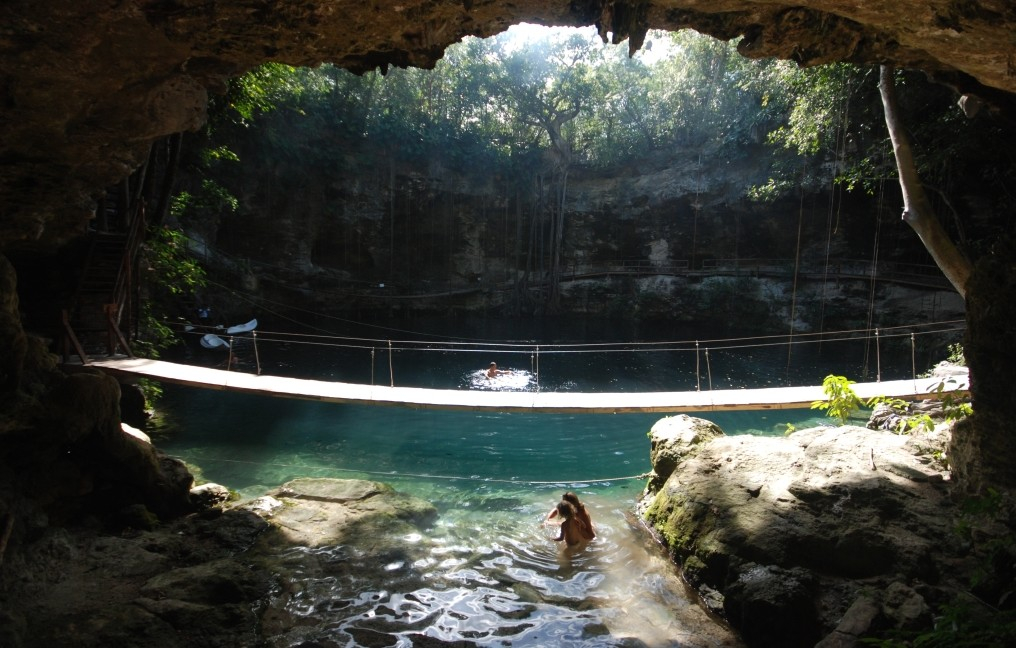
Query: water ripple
481	577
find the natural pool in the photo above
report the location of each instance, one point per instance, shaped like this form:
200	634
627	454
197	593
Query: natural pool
487	572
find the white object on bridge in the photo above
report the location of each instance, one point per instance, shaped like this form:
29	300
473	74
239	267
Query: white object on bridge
243	328
213	341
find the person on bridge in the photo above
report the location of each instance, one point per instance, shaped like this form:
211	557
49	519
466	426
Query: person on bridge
494	372
585	521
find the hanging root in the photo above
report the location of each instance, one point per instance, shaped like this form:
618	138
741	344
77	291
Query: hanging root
6	535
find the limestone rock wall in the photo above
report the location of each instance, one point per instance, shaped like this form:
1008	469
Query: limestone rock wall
784	536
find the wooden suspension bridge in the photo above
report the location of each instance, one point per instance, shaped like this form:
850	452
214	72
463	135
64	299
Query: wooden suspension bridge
775	398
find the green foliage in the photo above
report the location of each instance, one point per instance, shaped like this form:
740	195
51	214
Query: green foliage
841	401
961	624
956	355
907	422
154	336
956	406
175	271
772	190
263	89
218	153
210	202
174	276
151	389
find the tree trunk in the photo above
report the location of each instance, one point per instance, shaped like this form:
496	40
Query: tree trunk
983	446
174	144
917	210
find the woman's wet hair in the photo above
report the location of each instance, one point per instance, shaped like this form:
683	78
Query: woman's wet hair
572	499
566	510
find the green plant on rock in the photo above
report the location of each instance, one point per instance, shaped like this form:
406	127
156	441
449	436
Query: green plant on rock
956	355
955	406
841	400
908	422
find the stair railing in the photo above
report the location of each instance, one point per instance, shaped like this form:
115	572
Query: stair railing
121	299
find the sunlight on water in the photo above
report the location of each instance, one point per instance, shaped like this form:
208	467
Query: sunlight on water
489	572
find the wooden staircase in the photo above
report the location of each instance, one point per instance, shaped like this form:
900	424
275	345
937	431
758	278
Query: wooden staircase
103	304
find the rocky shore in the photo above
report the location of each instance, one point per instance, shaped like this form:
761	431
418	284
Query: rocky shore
818	538
221	577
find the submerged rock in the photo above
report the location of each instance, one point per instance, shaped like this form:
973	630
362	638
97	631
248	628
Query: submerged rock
781	535
318	512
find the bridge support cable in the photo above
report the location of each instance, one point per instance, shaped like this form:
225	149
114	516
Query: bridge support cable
709	370
874	264
668	355
257	357
797	268
391	370
878	358
913	357
537	371
698	371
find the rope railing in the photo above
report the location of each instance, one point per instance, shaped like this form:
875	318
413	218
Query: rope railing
473	346
701	348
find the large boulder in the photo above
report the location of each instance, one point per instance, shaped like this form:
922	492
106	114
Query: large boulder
672	439
781	535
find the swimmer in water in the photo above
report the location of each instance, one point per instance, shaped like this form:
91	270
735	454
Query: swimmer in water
581	514
571	526
494	372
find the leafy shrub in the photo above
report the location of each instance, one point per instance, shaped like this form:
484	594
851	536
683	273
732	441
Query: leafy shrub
841	401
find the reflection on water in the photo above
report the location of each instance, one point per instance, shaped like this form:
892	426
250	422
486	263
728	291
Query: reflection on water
489	574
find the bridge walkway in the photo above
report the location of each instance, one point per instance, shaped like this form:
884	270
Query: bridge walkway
775	398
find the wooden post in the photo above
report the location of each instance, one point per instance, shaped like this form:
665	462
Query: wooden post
70	337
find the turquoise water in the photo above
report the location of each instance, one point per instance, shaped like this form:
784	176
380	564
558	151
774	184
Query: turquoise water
487	572
252	443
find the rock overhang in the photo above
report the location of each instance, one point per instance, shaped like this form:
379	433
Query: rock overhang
87	86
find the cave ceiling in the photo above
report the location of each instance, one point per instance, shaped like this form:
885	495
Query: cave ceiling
86	86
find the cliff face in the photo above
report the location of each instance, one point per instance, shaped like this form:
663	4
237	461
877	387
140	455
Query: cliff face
637	240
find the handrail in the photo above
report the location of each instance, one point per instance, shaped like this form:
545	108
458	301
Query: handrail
124	280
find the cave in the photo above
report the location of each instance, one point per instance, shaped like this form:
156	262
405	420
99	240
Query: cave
88	87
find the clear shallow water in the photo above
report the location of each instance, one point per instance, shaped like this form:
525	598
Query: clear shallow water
487	572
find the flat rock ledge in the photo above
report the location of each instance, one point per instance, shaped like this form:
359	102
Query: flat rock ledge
814	538
218	578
